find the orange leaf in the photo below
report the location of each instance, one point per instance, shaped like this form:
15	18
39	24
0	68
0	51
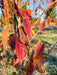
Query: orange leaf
29	11
55	20
30	50
34	46
49	19
41	8
32	24
39	41
5	37
45	72
6	11
28	2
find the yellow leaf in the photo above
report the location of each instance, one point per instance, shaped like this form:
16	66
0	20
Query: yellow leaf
36	61
29	11
5	37
33	32
30	50
38	1
34	46
45	56
39	41
0	70
47	24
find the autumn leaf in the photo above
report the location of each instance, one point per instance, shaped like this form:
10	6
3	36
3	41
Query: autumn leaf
41	25
41	8
38	1
12	40
36	61
34	46
28	2
6	13
27	26
33	1
39	49
32	24
20	50
40	64
29	11
29	68
23	34
49	19
33	32
14	73
55	20
25	18
5	37
30	50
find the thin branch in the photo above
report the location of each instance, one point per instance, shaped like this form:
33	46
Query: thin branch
34	36
44	7
52	48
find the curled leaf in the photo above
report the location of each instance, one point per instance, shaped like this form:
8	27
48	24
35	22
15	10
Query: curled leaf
12	40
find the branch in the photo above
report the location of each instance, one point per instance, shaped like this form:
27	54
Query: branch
44	7
34	35
52	48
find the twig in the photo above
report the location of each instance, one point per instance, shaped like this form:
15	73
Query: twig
34	35
52	48
45	6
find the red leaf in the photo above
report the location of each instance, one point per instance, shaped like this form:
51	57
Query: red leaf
25	18
14	73
15	60
42	25
39	49
12	40
29	68
20	51
23	34
27	27
40	64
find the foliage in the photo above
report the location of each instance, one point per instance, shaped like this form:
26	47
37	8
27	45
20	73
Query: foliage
22	19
